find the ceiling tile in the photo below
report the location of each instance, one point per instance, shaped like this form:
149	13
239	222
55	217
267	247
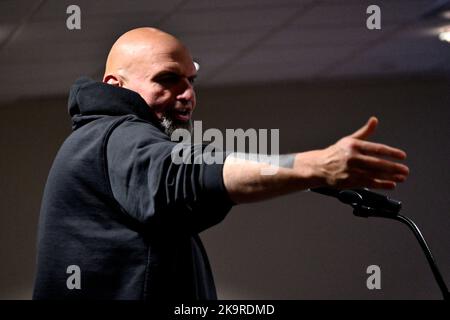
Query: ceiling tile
214	5
225	21
12	11
56	10
335	14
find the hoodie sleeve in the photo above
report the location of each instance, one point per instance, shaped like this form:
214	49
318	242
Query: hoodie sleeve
160	192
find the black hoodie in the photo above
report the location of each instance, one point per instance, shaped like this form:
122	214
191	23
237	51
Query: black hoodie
118	208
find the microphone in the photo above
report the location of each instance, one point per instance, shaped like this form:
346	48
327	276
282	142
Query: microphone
365	202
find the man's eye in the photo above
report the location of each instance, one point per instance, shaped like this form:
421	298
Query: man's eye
169	79
192	80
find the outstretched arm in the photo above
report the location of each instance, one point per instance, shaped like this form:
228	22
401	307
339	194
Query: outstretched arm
349	163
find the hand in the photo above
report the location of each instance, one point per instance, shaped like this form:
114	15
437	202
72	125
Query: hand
353	162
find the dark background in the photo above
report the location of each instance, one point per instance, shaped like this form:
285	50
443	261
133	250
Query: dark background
309	68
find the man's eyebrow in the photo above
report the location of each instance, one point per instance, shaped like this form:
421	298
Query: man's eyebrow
172	72
167	71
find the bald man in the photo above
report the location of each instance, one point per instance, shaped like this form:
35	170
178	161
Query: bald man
120	219
158	67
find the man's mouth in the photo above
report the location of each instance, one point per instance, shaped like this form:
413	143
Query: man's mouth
183	115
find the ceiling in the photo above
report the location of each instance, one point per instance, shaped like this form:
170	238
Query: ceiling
235	41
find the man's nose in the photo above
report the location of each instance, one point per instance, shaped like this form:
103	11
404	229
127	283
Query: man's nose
187	92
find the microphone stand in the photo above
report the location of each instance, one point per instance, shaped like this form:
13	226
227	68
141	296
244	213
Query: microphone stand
355	198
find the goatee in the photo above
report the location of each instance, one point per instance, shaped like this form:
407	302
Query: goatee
170	125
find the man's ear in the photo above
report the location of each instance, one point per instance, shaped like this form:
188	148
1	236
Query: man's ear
113	80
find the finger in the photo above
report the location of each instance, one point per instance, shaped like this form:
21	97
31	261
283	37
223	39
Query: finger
385	176
368	176
378	165
383	184
365	131
367	182
378	149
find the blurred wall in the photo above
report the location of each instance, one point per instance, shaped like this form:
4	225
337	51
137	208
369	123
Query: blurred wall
301	246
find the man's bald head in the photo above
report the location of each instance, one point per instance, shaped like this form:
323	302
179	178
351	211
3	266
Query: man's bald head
139	47
159	67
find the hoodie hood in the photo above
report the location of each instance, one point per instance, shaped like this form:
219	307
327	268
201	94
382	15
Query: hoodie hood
90	100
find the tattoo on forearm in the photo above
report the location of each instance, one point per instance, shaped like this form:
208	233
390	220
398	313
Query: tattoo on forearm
282	160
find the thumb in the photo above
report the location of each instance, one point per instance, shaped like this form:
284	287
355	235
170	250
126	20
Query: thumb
365	131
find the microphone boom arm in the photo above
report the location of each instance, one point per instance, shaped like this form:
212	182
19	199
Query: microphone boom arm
366	203
434	268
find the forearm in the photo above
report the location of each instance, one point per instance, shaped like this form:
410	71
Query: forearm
349	163
254	180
